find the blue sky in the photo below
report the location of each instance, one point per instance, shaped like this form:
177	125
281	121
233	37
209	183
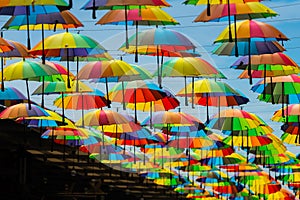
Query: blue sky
203	34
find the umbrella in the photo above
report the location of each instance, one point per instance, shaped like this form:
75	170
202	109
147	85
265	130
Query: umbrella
169	119
23	110
212	2
108	69
61	87
82	101
248	30
239	11
207	89
26	70
279	89
234	120
256	47
123	5
166	103
10	96
141	15
67	45
235	11
158	40
188	67
28	7
42	21
136	92
102	117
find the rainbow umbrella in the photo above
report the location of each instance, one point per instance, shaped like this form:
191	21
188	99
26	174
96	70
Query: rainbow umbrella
139	91
235	11
67	45
23	110
108	69
207	89
143	74
61	87
10	96
43	21
141	15
18	51
234	120
164	104
28	8
255	48
121	5
82	101
280	89
213	2
250	30
102	117
26	70
169	119
188	67
138	15
158	40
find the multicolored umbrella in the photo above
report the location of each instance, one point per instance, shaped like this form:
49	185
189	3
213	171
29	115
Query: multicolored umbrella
27	8
67	45
10	96
212	2
108	69
279	89
239	11
207	89
27	70
188	67
123	5
23	110
250	30
136	92
256	47
41	21
82	101
141	15
158	40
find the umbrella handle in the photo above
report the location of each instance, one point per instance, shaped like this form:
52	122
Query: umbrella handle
94	10
208	8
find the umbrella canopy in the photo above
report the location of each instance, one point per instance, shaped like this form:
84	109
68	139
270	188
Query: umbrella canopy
256	48
146	15
239	11
158	39
264	59
279	89
208	89
234	120
27	70
50	21
71	44
102	117
166	103
249	29
67	45
23	110
85	101
136	92
27	8
107	70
